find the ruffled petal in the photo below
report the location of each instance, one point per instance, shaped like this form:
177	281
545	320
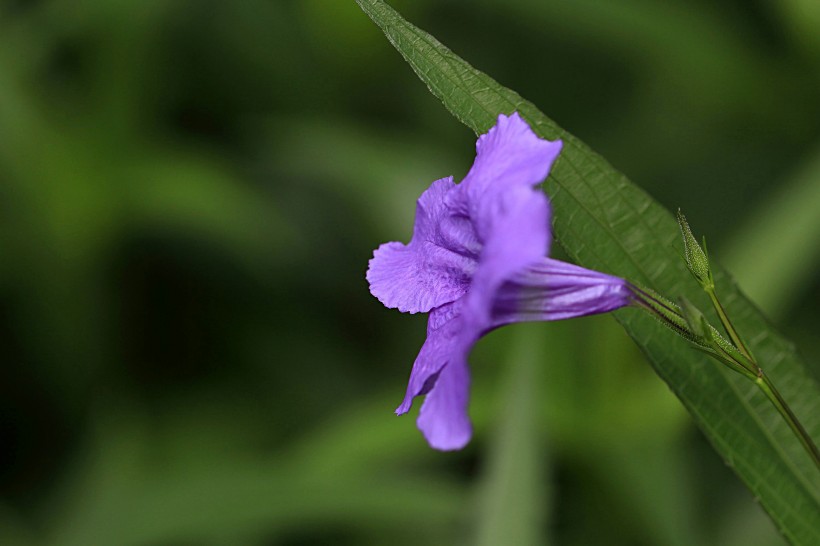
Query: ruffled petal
511	218
440	371
443	417
520	237
434	268
443	341
556	290
510	155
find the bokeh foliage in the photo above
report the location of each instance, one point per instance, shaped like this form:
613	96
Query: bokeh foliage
189	193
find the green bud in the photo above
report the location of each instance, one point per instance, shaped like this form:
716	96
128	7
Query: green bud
714	344
696	259
697	323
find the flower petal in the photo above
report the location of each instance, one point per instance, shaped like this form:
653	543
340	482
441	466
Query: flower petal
520	237
508	156
443	417
434	268
510	217
440	371
443	331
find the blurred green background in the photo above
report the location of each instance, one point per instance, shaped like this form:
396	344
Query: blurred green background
190	192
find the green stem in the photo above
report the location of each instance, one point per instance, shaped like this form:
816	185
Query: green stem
765	384
728	326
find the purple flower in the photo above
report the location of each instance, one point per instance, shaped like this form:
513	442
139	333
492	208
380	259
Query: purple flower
478	260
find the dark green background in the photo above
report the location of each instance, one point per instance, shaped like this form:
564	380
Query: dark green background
190	192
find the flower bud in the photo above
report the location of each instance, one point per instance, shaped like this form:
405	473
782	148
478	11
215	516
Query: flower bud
696	259
697	323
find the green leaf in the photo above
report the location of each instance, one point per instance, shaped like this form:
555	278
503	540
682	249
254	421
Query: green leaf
605	222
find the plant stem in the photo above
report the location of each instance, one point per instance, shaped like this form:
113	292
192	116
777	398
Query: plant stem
735	355
728	326
765	384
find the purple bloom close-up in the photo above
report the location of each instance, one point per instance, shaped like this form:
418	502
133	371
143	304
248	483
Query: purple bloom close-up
478	260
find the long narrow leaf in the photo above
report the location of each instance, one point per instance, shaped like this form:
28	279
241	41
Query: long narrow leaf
605	222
